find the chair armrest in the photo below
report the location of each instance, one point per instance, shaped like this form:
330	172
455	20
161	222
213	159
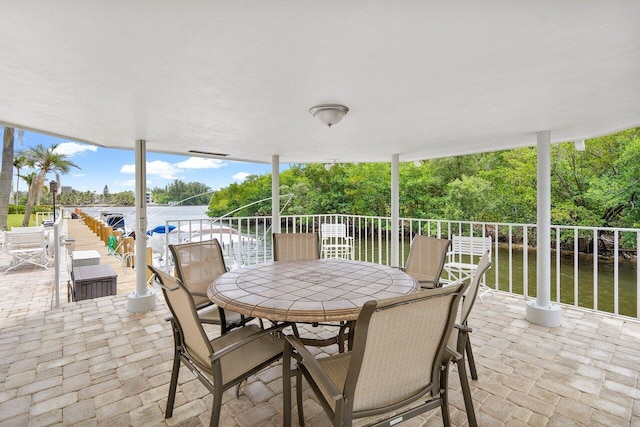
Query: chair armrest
464	328
451	282
311	364
235	346
454	354
200	294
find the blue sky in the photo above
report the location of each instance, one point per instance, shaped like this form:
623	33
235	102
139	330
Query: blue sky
115	168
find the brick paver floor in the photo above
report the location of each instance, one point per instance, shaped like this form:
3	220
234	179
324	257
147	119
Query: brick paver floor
93	363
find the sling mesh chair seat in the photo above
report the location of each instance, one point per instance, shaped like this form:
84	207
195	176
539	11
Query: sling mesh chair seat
220	363
426	260
304	247
197	265
397	368
459	338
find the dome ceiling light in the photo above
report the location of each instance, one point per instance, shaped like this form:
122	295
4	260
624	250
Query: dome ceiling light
329	114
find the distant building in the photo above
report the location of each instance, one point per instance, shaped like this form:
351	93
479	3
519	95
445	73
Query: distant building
66	189
149	197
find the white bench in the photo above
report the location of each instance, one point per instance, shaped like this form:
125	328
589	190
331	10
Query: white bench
335	242
26	246
461	260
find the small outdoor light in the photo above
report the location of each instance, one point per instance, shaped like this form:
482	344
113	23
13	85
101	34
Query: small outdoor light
53	188
579	145
329	114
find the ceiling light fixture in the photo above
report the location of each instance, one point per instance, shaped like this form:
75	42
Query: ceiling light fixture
329	114
579	145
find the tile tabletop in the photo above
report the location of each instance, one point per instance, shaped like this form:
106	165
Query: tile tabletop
308	291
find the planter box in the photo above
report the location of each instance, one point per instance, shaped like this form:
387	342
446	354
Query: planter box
94	281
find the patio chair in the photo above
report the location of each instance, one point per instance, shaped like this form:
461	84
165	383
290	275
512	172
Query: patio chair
460	337
197	265
426	259
397	368
295	246
26	245
461	264
302	247
335	242
220	363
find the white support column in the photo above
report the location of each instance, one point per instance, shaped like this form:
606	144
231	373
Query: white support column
542	311
143	299
275	193
395	210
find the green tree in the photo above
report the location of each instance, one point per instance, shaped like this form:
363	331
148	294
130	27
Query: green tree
470	199
44	160
18	162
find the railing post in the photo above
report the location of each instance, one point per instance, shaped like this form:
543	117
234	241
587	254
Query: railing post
275	194
56	256
395	209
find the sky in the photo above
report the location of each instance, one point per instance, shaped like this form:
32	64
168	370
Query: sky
115	168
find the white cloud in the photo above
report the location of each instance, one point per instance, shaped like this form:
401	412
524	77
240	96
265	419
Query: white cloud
78	175
241	176
201	163
157	167
72	148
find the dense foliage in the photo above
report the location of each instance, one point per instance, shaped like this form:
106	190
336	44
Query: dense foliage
182	193
596	187
79	198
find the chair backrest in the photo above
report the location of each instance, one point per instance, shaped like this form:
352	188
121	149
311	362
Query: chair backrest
333	231
198	264
295	246
473	246
472	292
399	346
183	309
25	239
426	259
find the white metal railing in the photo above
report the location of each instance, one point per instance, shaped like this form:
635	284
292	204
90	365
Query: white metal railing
608	282
45	216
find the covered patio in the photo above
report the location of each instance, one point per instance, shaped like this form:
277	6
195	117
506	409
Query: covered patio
421	80
93	363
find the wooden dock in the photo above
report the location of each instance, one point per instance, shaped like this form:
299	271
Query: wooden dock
86	240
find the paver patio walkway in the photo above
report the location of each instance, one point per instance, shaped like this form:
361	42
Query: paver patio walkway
92	363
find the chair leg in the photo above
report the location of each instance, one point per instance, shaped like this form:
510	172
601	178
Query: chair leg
299	397
286	385
444	394
342	336
173	385
466	392
238	387
472	362
217	407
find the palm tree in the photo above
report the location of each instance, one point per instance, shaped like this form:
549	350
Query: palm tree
44	160
18	163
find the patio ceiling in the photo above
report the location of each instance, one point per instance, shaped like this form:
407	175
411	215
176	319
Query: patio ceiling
422	79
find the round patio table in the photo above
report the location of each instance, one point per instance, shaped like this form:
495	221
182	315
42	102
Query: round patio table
308	291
